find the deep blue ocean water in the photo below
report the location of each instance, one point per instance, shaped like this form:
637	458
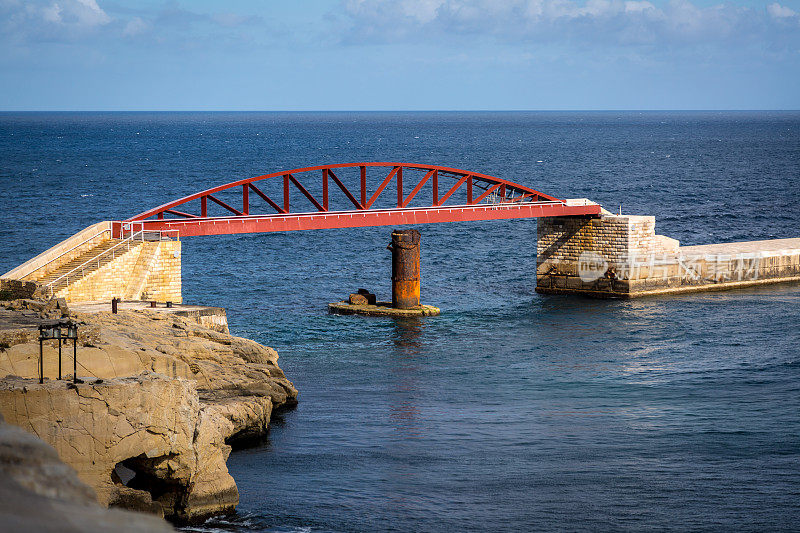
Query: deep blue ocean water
511	411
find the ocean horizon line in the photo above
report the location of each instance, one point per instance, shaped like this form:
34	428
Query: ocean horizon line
32	111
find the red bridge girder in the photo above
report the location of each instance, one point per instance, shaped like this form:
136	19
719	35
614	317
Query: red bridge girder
487	198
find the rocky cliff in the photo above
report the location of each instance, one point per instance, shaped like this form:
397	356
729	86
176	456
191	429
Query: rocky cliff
162	397
38	492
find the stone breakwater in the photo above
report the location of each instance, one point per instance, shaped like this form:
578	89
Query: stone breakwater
616	256
163	398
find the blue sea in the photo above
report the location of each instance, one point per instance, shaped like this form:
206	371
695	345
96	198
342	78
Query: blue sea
511	411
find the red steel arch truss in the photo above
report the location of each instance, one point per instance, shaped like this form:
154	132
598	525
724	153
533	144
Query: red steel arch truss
485	198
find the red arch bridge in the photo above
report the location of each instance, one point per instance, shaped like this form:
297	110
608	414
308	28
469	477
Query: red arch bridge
338	196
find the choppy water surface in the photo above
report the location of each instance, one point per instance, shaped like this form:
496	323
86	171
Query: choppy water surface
510	411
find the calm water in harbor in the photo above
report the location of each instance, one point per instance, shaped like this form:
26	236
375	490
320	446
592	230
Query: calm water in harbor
511	411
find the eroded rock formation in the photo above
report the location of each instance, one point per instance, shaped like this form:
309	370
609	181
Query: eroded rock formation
162	397
38	492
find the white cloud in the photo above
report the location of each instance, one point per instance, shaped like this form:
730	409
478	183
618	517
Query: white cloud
52	13
622	22
135	26
88	12
638	7
30	21
779	12
51	20
422	10
71	13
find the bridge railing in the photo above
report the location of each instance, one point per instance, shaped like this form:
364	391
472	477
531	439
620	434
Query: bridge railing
128	229
329	184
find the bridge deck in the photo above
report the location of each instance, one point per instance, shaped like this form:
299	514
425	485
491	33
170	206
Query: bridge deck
189	227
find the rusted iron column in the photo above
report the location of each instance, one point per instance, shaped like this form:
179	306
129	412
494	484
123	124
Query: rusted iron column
405	268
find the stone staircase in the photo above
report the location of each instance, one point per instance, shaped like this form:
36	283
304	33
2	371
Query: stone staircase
91	266
93	260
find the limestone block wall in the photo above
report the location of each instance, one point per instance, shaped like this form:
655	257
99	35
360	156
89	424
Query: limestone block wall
712	266
614	255
138	279
164	274
215	318
148	271
562	242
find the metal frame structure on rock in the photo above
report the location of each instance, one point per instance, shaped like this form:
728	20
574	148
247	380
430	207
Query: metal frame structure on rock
487	198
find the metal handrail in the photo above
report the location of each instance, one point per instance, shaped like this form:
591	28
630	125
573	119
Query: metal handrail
82	266
59	256
125	227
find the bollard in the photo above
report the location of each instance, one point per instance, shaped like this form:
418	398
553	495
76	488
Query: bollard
114	305
405	248
371	299
153	304
41	360
75	357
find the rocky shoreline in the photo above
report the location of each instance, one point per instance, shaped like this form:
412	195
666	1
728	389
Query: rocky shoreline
162	398
38	492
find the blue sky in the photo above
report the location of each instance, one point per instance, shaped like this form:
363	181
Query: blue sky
399	54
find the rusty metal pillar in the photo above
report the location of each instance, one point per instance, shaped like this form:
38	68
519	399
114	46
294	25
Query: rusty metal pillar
405	268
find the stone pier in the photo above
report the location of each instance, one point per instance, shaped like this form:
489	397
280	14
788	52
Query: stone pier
621	256
92	266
